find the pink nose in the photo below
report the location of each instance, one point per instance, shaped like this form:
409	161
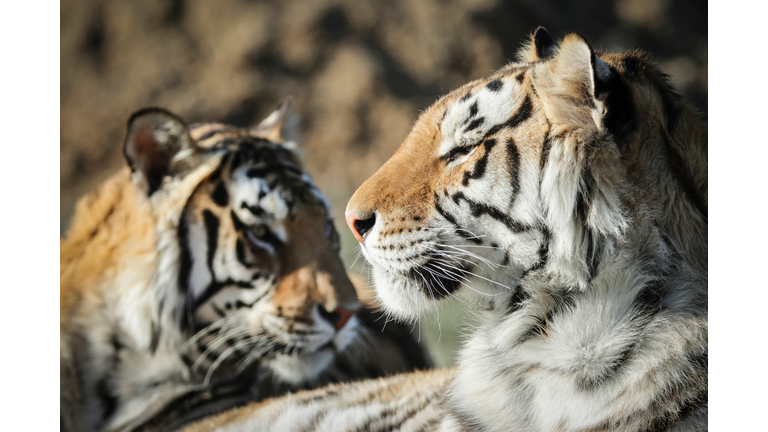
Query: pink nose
338	317
344	316
360	227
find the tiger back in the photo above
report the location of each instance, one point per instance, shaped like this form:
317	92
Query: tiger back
211	264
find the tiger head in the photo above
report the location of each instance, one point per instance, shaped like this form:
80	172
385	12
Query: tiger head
519	175
247	243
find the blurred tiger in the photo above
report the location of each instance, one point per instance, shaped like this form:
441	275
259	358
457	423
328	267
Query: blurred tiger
565	196
206	276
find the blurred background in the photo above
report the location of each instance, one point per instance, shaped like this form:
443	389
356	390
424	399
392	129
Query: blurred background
359	73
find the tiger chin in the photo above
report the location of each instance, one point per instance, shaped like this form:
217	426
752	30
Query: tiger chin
565	198
205	276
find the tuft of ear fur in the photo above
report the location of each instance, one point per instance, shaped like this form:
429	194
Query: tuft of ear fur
539	47
157	145
582	188
280	126
574	83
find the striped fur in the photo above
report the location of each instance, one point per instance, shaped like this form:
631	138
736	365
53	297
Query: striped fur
405	402
207	278
565	196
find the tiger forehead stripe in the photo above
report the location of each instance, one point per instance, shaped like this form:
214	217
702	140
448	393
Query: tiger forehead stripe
213	135
494	85
477	116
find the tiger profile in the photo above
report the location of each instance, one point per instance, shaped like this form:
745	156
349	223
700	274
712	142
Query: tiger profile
566	197
207	276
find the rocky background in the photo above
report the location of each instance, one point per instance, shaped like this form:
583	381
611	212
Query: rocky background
358	71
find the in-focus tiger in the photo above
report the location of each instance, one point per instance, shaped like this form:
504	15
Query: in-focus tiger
566	194
206	277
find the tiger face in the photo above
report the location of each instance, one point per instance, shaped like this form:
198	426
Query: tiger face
510	176
252	242
456	207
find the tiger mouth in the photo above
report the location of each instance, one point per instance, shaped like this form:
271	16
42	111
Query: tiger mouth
264	347
435	279
279	348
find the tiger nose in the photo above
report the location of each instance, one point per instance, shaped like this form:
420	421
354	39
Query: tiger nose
360	226
338	317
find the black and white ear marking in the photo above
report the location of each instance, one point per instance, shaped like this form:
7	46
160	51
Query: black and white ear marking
156	145
543	44
279	126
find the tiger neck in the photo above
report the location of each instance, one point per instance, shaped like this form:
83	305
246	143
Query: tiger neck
666	161
540	328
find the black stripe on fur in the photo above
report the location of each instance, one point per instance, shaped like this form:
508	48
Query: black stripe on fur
478	209
517	299
479	169
494	85
521	115
107	399
220	195
513	156
459	230
558	303
212	232
543	253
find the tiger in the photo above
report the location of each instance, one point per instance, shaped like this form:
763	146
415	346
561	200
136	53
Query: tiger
564	197
206	274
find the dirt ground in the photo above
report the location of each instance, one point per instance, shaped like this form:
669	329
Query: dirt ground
359	72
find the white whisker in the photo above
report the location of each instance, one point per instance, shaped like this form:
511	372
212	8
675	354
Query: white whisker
223	356
218	340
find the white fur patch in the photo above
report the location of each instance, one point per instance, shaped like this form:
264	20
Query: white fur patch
493	108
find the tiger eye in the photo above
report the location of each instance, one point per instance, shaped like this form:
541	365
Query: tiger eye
259	231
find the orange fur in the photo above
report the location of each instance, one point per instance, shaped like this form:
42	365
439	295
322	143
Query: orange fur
110	226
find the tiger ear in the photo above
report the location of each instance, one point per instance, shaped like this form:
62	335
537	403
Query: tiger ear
543	44
540	47
157	145
575	77
280	126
